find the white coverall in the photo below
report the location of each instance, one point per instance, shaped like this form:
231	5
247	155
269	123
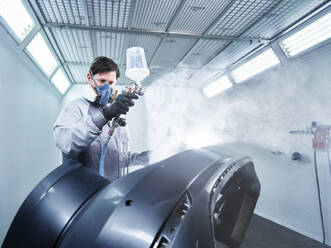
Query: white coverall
80	132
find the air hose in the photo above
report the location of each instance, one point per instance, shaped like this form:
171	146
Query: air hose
319	197
116	122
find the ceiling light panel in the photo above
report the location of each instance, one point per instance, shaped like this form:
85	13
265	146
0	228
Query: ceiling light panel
197	15
60	81
154	14
62	11
217	86
307	37
260	63
17	17
74	44
172	50
79	72
110	45
42	55
282	17
240	16
202	52
109	13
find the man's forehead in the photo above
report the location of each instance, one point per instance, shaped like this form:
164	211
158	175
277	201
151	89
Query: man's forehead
107	73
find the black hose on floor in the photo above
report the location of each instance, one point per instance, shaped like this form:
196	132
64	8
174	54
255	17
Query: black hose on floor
319	196
327	152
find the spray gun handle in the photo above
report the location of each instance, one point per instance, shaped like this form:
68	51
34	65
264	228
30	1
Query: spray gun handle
136	88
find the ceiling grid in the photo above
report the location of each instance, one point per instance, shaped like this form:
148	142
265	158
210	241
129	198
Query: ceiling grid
197	15
62	11
109	13
282	17
109	44
171	51
191	33
220	15
154	14
74	44
148	42
220	58
79	72
241	15
201	53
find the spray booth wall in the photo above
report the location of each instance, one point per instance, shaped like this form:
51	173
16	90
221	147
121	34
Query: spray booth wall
27	149
288	97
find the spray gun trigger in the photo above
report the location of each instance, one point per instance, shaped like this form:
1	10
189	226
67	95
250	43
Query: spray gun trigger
121	122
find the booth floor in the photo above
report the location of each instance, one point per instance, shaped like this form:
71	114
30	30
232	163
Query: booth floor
263	233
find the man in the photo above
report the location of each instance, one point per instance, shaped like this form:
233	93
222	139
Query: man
82	127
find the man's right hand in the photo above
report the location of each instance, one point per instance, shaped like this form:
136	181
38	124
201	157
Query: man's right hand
120	106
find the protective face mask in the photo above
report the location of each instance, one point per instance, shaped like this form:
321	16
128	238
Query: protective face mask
104	93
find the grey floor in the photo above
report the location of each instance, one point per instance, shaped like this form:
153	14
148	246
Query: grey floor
263	233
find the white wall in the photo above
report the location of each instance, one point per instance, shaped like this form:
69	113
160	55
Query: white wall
28	108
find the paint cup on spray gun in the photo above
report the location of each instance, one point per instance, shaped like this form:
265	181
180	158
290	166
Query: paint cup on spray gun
136	65
136	70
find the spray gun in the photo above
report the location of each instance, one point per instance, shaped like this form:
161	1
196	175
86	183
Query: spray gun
136	70
320	135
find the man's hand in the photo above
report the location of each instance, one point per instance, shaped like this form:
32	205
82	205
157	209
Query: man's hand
120	106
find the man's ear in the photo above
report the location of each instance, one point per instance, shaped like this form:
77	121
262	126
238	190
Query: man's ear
88	76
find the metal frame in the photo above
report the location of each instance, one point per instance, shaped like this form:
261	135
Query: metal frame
172	19
87	22
320	11
243	32
152	32
12	42
130	20
302	22
49	37
14	35
207	30
274	44
30	36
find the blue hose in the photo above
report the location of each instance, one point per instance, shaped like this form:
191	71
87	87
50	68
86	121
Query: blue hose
102	156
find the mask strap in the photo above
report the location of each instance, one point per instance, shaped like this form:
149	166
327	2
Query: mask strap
95	84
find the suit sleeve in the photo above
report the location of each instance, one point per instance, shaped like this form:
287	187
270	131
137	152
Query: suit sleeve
74	131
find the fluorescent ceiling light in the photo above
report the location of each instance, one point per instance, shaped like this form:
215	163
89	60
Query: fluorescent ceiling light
60	81
256	65
40	51
309	36
17	17
217	86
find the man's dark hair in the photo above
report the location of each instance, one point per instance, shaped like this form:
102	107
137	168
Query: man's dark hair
103	64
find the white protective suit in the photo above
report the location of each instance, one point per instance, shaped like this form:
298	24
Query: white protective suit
80	132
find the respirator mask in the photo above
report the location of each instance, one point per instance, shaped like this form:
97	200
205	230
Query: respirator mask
104	92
